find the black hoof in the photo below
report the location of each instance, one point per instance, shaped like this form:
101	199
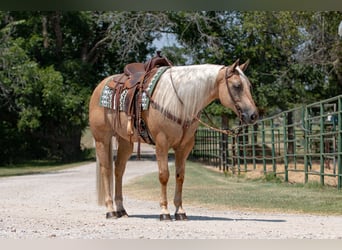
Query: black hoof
181	216
165	217
111	215
115	215
122	213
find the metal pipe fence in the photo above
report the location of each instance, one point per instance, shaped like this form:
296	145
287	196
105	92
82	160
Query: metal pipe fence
302	144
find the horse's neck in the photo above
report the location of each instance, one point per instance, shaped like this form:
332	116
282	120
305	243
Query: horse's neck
184	91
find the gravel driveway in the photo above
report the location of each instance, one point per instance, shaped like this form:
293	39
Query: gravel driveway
63	205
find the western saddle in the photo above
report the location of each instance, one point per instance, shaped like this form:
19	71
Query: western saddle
134	81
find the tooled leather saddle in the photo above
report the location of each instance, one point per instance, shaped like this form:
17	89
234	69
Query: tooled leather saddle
133	82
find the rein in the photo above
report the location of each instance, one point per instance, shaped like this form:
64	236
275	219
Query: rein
228	131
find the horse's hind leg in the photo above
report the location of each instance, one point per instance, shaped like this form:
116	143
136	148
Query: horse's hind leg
162	158
105	173
125	150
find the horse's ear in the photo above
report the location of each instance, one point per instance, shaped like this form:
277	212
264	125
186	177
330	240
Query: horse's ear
244	66
233	66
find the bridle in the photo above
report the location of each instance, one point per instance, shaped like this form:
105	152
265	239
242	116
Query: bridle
235	102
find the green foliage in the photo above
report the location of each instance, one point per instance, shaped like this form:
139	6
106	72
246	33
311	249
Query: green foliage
43	110
52	60
279	45
176	55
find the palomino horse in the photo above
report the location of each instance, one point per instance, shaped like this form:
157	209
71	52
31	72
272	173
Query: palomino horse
179	96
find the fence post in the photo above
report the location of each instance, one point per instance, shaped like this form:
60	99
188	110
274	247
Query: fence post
263	143
253	141
218	150
321	144
285	147
224	151
234	152
237	143
245	148
274	166
305	122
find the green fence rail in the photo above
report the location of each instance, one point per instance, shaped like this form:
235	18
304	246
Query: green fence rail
304	143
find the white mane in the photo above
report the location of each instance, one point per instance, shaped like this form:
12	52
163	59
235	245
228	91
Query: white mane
192	84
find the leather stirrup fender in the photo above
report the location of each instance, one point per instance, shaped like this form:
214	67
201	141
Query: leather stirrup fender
129	126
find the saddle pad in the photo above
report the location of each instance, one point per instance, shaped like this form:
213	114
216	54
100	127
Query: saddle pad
151	86
108	95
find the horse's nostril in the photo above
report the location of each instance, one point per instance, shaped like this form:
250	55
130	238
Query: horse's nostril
254	117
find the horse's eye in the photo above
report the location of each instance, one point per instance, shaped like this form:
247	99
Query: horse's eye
237	85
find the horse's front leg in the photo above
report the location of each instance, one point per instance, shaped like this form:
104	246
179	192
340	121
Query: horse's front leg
125	150
181	154
162	159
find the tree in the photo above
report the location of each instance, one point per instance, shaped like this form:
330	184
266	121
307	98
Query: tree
274	42
51	61
322	50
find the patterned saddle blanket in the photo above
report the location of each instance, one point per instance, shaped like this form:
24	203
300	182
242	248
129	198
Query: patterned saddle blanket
109	96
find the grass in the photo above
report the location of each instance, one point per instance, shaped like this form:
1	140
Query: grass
211	189
35	167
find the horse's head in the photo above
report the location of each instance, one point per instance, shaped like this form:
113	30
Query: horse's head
235	92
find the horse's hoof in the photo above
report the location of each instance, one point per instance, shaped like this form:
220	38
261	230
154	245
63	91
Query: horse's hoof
122	213
111	215
181	216
165	217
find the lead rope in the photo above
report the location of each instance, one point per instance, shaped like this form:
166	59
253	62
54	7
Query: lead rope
233	132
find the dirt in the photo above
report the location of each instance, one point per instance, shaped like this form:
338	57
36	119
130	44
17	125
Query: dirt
63	205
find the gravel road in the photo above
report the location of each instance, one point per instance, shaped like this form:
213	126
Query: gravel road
63	205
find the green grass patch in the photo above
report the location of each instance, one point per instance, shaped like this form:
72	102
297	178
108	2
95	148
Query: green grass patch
207	188
35	167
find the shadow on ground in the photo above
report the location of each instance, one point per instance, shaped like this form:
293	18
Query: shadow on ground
209	218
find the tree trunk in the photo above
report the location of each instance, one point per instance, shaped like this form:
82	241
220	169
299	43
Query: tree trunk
45	32
58	33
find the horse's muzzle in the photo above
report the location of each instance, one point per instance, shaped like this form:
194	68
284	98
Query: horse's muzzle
250	118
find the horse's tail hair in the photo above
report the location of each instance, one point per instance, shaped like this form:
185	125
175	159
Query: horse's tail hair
99	177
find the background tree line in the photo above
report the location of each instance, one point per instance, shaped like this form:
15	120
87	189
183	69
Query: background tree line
51	61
